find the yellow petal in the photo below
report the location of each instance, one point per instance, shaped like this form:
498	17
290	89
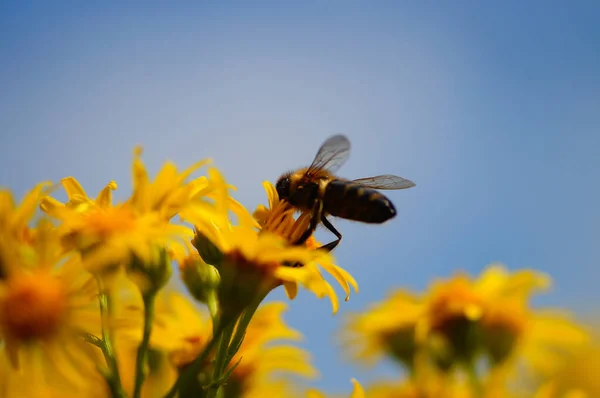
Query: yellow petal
220	190
188	172
271	193
104	198
30	203
51	206
244	217
72	187
139	198
339	277
357	390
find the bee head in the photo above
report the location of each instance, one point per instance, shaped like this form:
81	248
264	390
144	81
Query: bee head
283	186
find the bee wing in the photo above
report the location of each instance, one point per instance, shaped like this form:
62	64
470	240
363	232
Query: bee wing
386	181
331	155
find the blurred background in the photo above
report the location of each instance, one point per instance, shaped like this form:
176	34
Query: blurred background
494	111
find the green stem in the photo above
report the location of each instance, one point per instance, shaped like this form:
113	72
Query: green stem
113	377
474	379
93	340
213	307
229	344
195	367
242	325
221	359
142	352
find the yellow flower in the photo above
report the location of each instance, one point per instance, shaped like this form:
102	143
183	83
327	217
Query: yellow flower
459	302
255	261
357	392
46	301
110	235
181	332
457	319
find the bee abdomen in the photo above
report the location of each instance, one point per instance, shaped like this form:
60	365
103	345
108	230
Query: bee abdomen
351	201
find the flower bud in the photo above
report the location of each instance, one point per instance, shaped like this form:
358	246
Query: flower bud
201	279
154	273
207	250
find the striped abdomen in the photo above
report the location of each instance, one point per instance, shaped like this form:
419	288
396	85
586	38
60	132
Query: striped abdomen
352	201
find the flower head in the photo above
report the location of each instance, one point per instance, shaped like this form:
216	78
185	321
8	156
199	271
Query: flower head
278	219
254	260
458	319
110	235
46	301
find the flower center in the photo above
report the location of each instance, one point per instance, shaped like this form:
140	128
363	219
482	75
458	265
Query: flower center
33	307
280	221
456	301
246	266
104	222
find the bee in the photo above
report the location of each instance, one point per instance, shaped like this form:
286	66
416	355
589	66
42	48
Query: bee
317	190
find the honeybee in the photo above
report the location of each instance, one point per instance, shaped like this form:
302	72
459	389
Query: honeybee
317	190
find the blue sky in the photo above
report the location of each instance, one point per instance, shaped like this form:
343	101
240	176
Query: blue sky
493	111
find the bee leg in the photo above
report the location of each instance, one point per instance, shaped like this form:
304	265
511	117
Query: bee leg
331	245
317	212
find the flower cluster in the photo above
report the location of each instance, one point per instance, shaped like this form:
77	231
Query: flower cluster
163	294
468	337
87	306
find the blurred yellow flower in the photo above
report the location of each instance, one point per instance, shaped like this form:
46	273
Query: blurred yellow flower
459	318
109	235
46	302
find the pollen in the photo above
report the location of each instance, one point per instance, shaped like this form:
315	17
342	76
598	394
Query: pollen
312	243
33	307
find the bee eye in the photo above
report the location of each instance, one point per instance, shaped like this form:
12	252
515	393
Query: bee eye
283	187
